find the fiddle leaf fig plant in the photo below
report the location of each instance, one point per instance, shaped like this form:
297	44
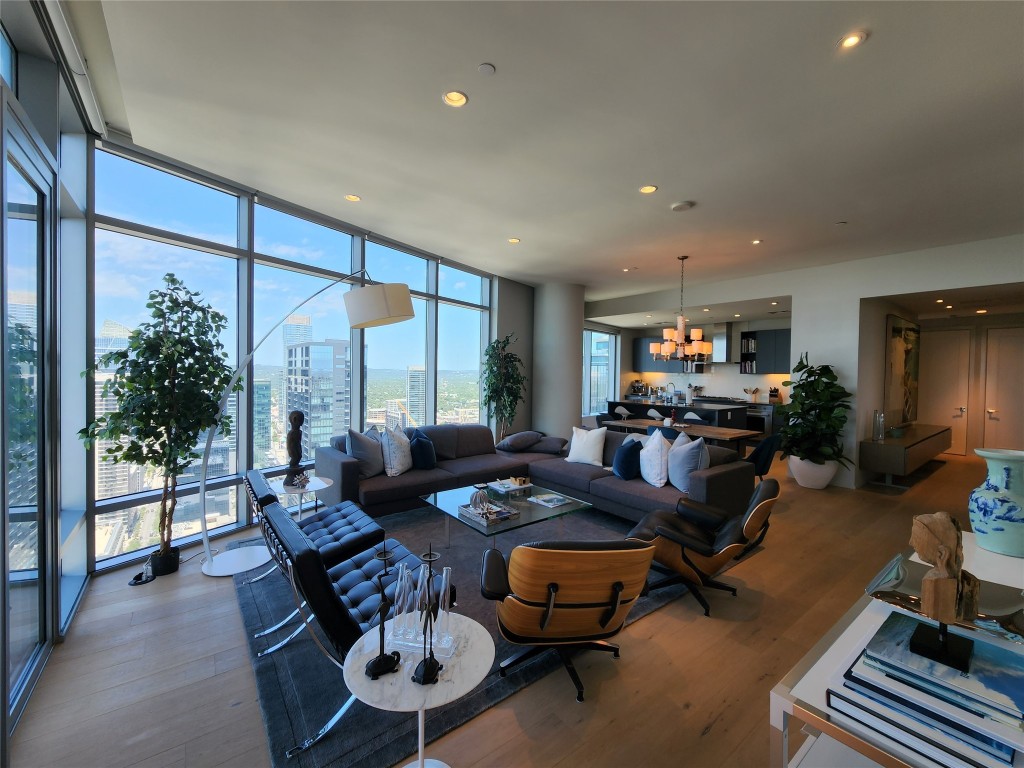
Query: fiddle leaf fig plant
814	418
167	384
504	382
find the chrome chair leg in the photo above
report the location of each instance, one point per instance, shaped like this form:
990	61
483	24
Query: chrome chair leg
283	643
287	619
323	731
261	576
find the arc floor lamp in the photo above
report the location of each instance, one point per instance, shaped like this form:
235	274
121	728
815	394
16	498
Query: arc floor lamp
367	306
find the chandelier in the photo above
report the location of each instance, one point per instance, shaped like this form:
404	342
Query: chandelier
676	344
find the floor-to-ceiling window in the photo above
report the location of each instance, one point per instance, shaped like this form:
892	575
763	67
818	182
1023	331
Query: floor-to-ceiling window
600	371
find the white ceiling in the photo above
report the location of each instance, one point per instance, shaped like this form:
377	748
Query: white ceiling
915	139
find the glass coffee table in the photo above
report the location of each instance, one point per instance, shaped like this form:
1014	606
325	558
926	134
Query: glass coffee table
530	512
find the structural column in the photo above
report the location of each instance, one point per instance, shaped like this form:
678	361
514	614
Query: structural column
558	358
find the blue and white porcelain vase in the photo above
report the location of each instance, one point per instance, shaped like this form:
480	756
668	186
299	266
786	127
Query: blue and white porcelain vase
996	507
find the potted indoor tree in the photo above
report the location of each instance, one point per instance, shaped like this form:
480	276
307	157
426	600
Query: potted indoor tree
813	423
504	383
167	384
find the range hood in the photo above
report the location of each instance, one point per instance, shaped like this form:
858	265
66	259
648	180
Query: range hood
725	340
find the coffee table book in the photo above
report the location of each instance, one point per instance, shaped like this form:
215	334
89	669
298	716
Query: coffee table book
491	514
549	499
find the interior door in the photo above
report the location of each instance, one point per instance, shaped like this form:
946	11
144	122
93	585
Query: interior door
944	382
1004	372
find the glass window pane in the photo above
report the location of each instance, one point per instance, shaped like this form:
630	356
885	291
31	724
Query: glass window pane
22	435
127	269
284	236
457	284
598	352
304	365
396	377
6	60
136	192
459	353
128	530
386	265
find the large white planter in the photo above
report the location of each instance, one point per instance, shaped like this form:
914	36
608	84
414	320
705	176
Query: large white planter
811	475
996	507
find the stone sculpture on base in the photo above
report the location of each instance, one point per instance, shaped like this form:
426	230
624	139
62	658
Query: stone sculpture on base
295	419
948	593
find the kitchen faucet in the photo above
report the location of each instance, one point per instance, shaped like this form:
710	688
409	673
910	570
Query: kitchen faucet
673	395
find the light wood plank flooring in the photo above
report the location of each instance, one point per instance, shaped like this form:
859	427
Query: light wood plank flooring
159	675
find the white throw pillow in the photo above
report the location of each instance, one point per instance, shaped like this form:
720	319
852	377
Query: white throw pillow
654	460
587	446
397	452
684	458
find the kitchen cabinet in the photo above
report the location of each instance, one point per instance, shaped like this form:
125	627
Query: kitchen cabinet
765	351
644	362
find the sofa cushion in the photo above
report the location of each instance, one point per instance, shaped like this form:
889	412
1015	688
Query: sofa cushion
397	452
587	446
474	440
520	441
566	474
483	468
368	452
422	447
635	494
416	482
445	438
654	460
526	457
720	455
626	463
684	458
550	444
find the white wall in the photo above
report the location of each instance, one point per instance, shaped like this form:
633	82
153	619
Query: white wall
827	304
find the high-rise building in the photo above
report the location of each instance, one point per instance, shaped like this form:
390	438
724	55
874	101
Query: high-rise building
296	329
261	421
112	479
319	383
416	394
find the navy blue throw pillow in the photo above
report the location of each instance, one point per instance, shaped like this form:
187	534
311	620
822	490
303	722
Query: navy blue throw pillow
423	455
669	433
626	463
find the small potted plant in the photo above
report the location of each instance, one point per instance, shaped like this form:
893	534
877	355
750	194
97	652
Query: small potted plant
504	383
167	384
813	422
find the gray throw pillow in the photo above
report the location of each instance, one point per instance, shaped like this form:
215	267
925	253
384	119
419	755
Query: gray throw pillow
520	441
685	458
549	444
366	449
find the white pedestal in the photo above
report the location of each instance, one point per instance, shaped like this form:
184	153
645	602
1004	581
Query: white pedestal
236	561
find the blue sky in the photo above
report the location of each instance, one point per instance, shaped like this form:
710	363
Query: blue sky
127	268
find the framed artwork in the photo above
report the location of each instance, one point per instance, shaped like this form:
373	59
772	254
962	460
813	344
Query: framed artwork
902	370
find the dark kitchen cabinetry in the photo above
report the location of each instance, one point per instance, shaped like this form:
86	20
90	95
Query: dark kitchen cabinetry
765	351
644	362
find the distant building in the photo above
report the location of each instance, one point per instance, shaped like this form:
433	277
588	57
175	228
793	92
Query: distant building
318	382
261	421
416	395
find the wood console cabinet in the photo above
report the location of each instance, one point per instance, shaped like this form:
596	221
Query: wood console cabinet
902	455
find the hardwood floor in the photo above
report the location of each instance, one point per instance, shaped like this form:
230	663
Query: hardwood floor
160	675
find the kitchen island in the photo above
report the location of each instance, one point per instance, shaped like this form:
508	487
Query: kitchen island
731	415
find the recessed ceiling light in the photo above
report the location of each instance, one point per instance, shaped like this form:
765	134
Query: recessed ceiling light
736	315
353	198
513	240
853	39
648	316
648	189
625	269
706	309
685	205
839	223
939	301
775	303
486	69
981	311
455	99
755	242
949	306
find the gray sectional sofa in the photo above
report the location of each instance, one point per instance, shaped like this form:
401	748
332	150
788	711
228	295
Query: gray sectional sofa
466	455
728	483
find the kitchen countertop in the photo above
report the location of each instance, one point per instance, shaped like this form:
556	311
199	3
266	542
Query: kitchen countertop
703	406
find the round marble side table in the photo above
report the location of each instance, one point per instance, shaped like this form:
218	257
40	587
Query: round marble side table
463	671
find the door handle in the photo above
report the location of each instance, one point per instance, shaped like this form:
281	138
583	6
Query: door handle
963	409
990	410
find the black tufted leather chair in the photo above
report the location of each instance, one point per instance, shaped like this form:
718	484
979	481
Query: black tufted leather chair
694	542
344	599
566	595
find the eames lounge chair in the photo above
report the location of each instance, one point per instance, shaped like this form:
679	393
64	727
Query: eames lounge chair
566	595
696	541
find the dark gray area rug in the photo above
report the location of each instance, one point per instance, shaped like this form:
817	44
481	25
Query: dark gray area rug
299	689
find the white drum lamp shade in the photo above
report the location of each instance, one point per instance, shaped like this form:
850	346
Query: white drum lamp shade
380	304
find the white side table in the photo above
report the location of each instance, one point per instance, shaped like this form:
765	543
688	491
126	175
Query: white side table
315	484
468	665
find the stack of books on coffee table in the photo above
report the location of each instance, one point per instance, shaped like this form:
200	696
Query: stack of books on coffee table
491	513
951	718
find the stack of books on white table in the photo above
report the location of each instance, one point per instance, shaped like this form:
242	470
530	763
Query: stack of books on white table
973	719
